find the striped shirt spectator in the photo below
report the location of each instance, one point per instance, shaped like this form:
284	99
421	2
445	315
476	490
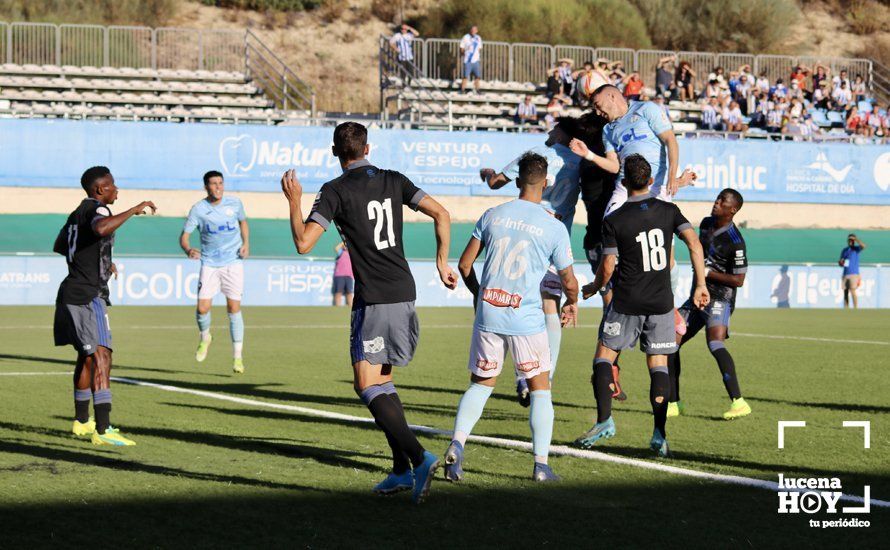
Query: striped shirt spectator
526	111
709	115
403	42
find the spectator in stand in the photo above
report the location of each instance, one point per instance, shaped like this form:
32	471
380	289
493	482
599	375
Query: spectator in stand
875	122
758	106
795	108
526	112
841	79
822	97
633	86
799	74
712	89
849	260
554	86
711	115
732	118
885	126
402	43
471	50
775	117
565	76
742	91
854	122
588	80
794	92
779	90
809	126
664	77
820	75
842	96
718	75
763	82
793	127
685	79
555	110
344	281
858	89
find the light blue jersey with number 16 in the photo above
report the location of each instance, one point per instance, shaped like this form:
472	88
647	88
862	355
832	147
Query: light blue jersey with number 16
521	240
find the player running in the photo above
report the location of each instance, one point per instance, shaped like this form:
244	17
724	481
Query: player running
725	267
366	204
225	242
523	240
81	318
561	197
639	232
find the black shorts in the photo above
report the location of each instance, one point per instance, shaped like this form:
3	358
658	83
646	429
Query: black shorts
85	326
343	285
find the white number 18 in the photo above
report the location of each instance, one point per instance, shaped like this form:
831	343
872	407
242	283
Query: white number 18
654	254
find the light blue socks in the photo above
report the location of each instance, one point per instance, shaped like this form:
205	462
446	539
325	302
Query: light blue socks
236	329
541	421
203	323
469	410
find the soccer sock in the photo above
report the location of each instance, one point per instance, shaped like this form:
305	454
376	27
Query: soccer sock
391	418
727	368
601	380
203	324
554	337
82	405
541	421
102	409
236	329
469	410
659	386
674	373
400	462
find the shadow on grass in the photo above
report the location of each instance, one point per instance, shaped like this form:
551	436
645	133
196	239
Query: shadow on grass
459	392
840	407
115	367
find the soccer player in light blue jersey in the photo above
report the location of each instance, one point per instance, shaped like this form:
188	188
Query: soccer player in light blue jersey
222	223
560	197
523	240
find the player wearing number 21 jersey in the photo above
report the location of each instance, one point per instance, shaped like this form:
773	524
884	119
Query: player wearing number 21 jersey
522	240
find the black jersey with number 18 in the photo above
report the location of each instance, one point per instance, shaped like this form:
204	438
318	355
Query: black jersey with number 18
641	234
365	204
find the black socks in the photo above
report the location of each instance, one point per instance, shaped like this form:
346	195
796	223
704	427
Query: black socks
727	368
602	391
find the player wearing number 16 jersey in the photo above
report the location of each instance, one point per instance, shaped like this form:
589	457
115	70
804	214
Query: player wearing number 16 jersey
643	302
365	203
522	240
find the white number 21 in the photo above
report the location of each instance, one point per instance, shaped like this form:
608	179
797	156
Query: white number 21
381	213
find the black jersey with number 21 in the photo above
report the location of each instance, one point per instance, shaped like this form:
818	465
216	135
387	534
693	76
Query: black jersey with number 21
365	204
88	255
641	234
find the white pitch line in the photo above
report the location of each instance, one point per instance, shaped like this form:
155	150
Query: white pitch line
345	326
496	441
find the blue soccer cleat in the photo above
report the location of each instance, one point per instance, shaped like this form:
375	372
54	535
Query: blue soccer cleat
544	473
600	430
454	458
659	444
395	483
423	476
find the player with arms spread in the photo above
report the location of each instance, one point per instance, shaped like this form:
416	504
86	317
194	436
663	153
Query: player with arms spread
642	307
81	317
366	204
225	236
726	264
523	241
561	197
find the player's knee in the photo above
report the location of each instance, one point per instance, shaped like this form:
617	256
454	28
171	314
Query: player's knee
233	307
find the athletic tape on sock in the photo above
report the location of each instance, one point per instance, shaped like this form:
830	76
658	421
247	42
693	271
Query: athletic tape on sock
714	345
83	395
102	396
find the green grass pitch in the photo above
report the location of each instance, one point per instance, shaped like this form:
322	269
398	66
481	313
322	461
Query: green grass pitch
208	473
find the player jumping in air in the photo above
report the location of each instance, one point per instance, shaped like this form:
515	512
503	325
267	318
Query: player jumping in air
561	197
81	318
523	240
639	232
366	204
726	263
225	242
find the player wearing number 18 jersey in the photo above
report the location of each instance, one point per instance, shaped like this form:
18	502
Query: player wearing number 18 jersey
523	240
640	232
365	203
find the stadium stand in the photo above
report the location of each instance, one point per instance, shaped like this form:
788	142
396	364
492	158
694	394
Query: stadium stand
136	73
426	93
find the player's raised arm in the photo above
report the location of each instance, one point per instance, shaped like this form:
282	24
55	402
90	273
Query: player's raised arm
494	180
700	296
442	222
305	235
609	163
673	149
106	225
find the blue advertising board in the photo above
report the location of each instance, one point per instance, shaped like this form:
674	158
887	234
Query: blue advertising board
158	155
34	280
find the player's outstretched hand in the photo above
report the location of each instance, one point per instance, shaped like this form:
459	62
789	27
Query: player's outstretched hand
588	290
486	174
448	277
579	147
569	315
688	177
291	186
701	297
141	208
113	270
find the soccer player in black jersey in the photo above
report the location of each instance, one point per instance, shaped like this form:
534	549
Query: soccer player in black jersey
726	262
365	203
642	305
81	319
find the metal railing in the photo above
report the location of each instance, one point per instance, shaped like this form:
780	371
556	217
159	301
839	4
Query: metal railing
440	58
161	48
424	99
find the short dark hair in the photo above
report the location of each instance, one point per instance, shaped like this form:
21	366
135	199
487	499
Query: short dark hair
637	172
350	139
212	174
532	167
603	88
92	175
851	235
736	197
